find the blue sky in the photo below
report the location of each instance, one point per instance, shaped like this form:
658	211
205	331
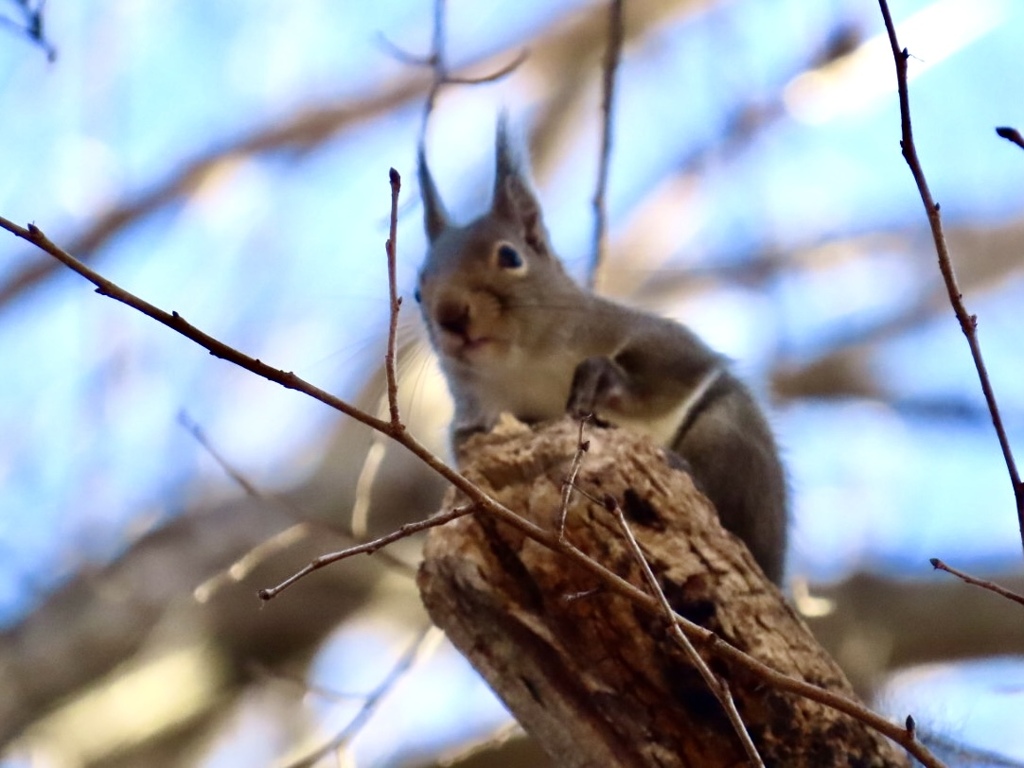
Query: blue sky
281	254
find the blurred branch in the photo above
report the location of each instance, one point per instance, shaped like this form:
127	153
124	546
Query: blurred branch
31	26
750	117
508	747
437	61
968	322
613	51
567	66
874	625
834	364
427	635
243	566
78	635
299	134
310	128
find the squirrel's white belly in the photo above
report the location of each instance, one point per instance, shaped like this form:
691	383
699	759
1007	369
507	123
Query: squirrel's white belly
533	389
538	389
662	428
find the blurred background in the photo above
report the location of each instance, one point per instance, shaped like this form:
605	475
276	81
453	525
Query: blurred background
230	161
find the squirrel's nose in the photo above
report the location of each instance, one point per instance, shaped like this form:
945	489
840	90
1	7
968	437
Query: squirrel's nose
453	316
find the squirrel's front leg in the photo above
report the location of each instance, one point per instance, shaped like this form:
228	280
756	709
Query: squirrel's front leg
598	384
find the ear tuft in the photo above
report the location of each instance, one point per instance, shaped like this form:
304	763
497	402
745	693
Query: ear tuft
435	219
514	200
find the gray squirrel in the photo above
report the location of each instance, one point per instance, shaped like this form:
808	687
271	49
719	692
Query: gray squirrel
515	333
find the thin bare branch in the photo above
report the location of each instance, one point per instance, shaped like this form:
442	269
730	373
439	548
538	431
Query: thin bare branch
438	62
991	586
570	481
199	435
359	517
715	683
491	77
613	52
431	60
367	548
394	305
400	54
968	322
176	322
906	738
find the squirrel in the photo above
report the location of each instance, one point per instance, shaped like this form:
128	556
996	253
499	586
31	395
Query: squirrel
515	333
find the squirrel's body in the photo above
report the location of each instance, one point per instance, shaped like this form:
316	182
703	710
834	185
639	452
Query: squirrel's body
516	334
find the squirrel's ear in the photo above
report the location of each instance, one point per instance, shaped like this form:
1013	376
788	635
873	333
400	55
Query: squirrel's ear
435	220
514	201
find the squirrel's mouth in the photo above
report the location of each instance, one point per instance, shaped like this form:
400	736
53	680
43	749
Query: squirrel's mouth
463	347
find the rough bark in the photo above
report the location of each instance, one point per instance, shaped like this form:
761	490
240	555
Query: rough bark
597	681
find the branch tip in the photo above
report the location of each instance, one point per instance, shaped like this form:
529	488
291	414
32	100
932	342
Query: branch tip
1010	134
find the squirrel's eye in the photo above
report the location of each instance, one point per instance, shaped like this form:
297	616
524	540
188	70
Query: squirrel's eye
509	257
418	296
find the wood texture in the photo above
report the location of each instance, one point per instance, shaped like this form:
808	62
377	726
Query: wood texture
596	680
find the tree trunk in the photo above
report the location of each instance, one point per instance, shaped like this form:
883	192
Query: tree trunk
598	681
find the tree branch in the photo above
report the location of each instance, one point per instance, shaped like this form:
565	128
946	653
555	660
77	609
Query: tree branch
718	686
968	322
373	700
616	33
367	548
395	304
580	668
991	586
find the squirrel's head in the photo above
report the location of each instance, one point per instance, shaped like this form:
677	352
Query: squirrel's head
479	282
